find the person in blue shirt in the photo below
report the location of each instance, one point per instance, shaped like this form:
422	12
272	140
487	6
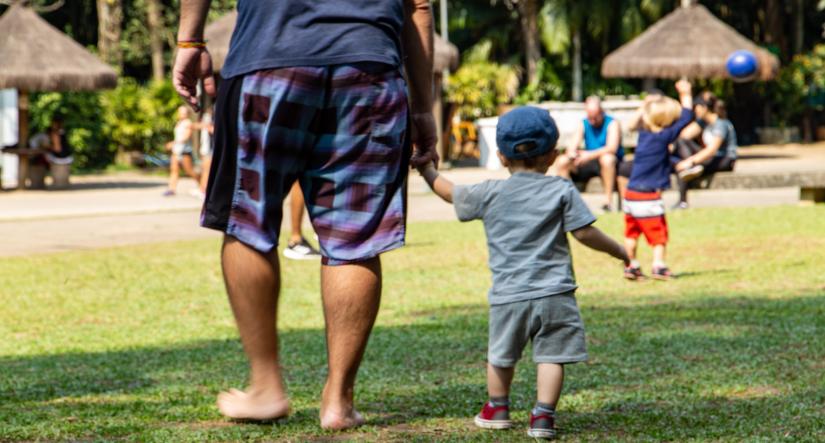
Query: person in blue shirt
662	119
602	136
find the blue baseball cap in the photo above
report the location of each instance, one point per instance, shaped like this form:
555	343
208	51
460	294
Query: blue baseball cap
526	125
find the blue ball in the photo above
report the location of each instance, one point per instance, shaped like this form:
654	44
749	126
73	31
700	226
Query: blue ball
742	65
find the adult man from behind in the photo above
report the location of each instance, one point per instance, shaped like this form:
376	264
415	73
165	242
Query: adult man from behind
313	92
602	152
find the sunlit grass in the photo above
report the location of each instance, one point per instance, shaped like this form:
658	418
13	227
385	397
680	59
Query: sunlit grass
133	343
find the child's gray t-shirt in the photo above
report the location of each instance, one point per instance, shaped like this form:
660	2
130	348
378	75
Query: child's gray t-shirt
526	218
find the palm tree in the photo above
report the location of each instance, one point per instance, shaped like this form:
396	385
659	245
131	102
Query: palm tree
110	24
563	24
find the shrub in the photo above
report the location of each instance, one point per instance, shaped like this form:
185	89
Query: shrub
130	117
480	86
84	123
139	118
801	85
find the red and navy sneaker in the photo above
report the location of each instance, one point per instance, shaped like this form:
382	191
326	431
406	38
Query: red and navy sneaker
494	417
662	273
542	425
633	273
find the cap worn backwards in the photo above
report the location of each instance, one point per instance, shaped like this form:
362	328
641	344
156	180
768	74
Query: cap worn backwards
526	125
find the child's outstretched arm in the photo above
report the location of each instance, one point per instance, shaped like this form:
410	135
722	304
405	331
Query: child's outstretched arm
685	90
440	185
595	239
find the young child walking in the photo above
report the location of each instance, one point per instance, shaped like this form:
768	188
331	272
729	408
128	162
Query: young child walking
663	118
526	219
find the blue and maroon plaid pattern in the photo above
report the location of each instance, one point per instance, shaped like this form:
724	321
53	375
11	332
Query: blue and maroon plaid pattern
342	132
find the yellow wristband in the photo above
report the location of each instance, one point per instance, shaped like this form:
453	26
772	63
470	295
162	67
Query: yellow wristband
192	44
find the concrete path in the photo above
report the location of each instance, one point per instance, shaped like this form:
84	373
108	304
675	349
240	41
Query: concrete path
124	209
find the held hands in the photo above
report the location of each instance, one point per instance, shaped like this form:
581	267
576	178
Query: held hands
192	65
424	135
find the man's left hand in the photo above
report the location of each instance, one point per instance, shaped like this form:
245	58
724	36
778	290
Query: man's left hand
424	135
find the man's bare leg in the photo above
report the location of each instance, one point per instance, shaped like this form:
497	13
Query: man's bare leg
351	295
608	167
253	282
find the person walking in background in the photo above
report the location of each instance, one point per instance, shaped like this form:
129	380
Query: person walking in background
719	141
603	152
207	128
312	91
181	151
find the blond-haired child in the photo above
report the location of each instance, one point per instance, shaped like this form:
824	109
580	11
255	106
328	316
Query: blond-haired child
663	118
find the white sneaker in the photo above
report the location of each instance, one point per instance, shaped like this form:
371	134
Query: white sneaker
691	173
301	251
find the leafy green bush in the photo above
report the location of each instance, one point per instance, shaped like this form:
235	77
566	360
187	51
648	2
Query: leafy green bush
139	118
83	117
801	85
480	86
131	117
549	86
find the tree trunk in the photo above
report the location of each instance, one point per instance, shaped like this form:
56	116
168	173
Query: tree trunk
774	32
110	23
528	14
155	22
799	27
577	66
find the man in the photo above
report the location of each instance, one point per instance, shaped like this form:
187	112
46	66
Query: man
602	153
312	91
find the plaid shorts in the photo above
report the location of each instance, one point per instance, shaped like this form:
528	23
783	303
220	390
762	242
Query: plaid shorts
341	131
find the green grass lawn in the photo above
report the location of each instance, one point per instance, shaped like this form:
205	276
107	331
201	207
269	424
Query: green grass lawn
133	343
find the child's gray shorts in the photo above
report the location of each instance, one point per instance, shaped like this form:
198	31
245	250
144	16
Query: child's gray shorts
552	323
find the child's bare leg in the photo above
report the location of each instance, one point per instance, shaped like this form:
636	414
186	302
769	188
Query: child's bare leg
498	381
659	256
630	245
549	381
174	170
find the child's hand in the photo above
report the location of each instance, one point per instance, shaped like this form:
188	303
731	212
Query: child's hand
422	168
683	87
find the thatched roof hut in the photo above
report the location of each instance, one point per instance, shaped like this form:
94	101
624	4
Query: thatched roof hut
36	56
689	42
219	33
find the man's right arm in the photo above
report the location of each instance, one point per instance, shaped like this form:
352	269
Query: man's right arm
192	64
578	138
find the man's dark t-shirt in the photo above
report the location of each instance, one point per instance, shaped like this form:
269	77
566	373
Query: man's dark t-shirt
286	33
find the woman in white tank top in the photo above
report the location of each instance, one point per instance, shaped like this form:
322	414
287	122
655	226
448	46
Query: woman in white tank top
181	149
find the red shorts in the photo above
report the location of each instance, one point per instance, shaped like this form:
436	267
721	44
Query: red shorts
645	215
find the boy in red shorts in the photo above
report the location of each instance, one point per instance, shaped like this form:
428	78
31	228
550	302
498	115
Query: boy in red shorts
663	118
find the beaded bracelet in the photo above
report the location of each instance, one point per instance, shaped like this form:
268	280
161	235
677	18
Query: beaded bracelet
186	44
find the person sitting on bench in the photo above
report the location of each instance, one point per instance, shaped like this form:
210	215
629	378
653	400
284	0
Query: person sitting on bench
602	152
718	137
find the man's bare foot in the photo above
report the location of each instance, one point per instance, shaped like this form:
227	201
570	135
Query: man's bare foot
339	422
253	405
